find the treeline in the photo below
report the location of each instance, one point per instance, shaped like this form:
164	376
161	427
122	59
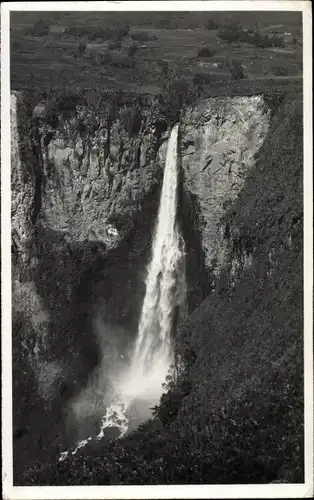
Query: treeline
40	28
175	92
234	32
102	32
107	58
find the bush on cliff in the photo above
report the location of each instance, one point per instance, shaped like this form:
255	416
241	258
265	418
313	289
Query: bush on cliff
132	121
68	102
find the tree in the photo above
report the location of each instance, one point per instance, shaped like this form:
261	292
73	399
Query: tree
236	70
132	49
81	48
206	52
114	45
211	25
41	28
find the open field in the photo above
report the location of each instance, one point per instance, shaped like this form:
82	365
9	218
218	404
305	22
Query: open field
51	60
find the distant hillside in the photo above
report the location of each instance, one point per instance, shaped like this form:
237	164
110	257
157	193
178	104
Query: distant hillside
142	52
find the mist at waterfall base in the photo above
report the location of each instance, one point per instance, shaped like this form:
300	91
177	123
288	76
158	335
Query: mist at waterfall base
135	383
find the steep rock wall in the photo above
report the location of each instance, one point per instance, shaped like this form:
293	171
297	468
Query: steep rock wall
219	142
220	138
95	168
85	193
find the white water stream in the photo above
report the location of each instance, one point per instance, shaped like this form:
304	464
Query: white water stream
165	292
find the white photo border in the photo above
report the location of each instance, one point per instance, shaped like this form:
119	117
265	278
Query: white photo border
11	492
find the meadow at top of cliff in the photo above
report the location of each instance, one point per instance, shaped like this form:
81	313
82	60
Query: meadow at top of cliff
213	53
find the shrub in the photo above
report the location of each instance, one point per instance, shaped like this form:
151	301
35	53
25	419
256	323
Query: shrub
41	28
76	30
175	92
115	45
122	62
230	32
280	71
164	23
68	102
52	117
120	221
103	58
16	45
211	25
81	48
201	79
178	385
178	94
235	33
236	70
132	121
142	36
132	49
102	32
206	52
277	41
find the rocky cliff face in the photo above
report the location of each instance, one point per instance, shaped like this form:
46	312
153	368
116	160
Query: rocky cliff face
92	172
220	139
84	196
85	193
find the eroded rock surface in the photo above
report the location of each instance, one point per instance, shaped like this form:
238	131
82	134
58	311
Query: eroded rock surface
220	139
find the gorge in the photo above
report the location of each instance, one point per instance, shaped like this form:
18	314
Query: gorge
108	243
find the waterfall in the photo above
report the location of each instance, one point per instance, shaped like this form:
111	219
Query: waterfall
139	385
165	291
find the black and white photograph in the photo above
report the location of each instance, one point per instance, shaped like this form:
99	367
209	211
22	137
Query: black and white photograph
157	250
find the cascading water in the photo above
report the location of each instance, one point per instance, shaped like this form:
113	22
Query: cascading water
139	385
165	291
